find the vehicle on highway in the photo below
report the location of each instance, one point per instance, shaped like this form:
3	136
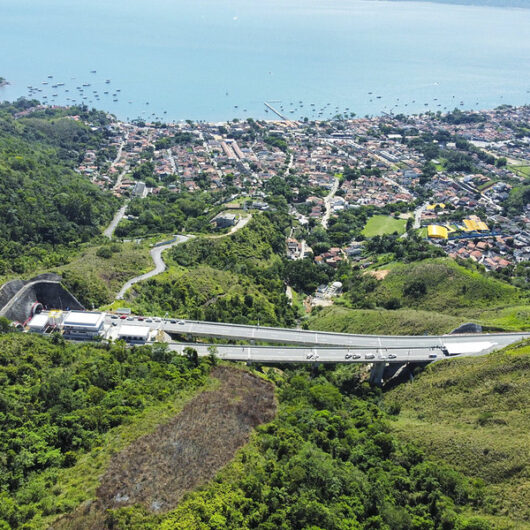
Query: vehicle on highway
355	356
432	355
369	356
445	351
181	322
149	320
309	356
130	318
114	317
123	317
347	356
173	321
392	355
141	318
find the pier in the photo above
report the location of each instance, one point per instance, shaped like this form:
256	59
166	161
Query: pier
278	113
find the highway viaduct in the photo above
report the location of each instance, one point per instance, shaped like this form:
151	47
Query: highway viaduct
304	346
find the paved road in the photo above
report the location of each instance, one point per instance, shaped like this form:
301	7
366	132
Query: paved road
327	202
276	354
109	231
456	344
160	266
417	215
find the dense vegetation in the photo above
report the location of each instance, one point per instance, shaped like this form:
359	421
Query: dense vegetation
58	400
518	199
329	460
168	212
45	207
473	413
237	278
421	297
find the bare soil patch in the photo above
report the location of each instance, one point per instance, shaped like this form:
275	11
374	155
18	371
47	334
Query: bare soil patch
379	274
159	468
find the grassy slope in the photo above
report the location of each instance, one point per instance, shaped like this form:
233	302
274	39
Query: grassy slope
105	276
473	413
450	287
455	290
379	225
454	295
372	321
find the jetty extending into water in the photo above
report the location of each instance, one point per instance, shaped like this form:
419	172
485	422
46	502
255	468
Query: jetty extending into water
277	112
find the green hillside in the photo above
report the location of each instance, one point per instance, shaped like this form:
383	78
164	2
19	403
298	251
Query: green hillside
473	413
382	321
444	286
45	207
206	293
66	408
236	278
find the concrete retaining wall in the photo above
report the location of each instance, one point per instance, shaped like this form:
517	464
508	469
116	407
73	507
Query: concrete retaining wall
17	297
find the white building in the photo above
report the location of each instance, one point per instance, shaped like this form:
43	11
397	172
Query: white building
83	324
46	321
138	334
38	323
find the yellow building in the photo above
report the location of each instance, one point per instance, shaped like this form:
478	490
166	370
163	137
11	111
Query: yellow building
475	226
437	232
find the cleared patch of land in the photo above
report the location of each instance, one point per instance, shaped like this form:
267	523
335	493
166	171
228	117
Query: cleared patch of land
159	468
473	413
379	225
379	274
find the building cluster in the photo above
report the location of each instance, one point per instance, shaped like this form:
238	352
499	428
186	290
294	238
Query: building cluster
90	325
334	165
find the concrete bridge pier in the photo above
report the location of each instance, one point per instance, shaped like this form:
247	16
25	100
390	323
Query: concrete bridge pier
376	373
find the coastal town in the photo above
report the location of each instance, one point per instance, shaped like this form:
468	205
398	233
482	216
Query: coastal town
459	180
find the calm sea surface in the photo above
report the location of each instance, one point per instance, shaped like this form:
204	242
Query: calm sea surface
218	60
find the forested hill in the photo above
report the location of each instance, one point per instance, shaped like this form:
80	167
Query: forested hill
44	205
